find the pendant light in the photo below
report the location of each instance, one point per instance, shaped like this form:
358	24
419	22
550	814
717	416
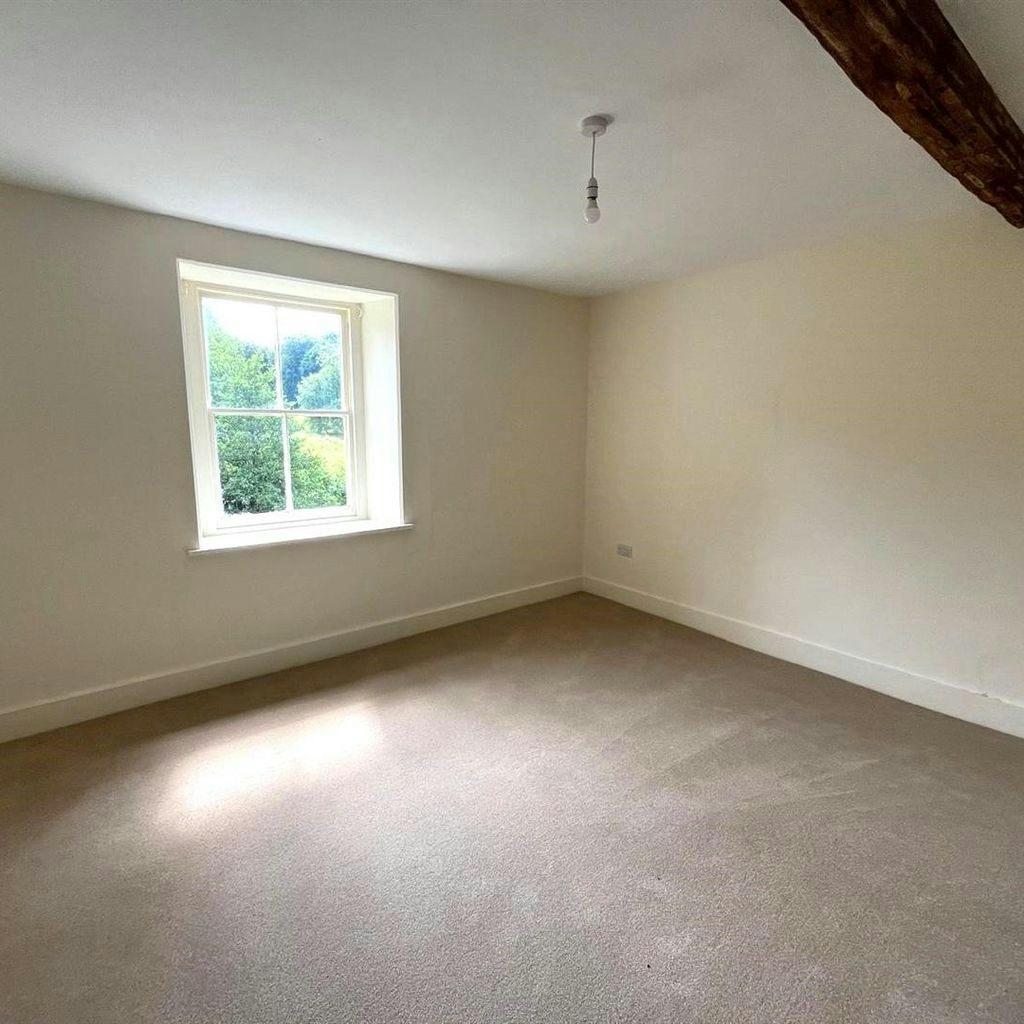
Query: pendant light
596	124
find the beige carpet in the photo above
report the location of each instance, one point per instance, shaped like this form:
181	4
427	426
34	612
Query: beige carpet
569	812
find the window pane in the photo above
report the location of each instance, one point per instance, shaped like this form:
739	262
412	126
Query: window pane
251	458
310	358
319	461
241	338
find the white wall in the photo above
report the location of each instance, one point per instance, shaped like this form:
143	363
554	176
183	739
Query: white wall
96	500
829	445
820	455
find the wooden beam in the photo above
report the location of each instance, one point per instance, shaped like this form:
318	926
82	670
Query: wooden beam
906	58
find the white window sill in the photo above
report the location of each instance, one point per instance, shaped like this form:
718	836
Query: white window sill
247	540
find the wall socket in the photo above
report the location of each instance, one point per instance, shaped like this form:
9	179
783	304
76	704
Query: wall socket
625	550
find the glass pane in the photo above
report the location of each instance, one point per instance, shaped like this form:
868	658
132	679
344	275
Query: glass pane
251	458
241	338
310	358
319	461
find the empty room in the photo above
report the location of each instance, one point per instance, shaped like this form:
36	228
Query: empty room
512	511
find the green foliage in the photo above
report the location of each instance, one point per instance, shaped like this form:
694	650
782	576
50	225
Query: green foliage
299	358
249	448
320	390
320	383
251	463
241	375
318	462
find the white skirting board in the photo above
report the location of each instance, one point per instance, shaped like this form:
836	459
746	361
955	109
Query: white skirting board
934	694
85	704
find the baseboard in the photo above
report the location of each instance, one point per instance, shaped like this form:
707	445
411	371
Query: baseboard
85	704
934	694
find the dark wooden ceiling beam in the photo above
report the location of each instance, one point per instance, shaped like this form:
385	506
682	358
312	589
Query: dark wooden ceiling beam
906	58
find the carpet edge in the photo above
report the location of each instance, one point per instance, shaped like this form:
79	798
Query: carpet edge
939	695
80	706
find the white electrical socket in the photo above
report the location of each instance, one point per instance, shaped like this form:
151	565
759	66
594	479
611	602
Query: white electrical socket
625	550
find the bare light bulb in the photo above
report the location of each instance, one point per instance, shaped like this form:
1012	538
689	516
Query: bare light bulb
591	212
591	127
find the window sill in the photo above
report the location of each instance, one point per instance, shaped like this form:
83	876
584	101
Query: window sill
246	541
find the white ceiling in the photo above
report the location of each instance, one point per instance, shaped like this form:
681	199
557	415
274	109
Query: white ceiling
444	132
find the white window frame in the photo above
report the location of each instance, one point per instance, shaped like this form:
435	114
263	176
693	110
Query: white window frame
213	521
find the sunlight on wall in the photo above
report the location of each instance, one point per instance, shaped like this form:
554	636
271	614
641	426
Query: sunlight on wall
273	759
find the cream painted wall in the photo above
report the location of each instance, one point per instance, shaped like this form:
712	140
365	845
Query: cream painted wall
828	444
97	501
824	446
